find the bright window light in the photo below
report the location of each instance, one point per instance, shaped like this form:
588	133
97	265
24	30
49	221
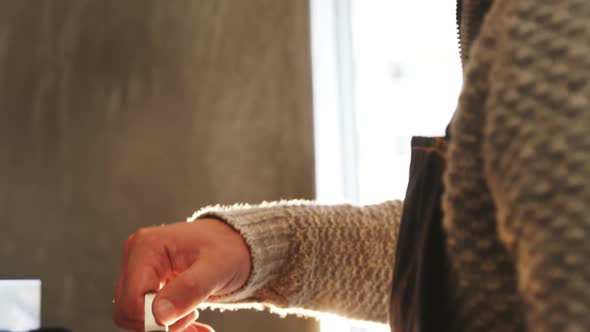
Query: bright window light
333	323
383	70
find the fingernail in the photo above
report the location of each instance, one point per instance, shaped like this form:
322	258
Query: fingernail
191	328
165	311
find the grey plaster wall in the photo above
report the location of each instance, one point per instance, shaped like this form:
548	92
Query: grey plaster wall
120	114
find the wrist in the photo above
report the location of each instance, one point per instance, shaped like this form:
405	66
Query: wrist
266	232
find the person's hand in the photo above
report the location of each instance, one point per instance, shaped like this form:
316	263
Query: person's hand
189	262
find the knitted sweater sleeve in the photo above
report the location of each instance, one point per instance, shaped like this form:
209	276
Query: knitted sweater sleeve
537	154
310	258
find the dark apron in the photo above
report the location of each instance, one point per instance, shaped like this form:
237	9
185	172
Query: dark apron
419	299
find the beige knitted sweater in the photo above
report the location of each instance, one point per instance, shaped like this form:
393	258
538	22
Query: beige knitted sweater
517	201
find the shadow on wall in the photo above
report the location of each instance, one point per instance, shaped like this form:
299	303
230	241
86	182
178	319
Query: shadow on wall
116	115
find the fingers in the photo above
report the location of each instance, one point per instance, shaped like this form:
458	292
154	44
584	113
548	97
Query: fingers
143	269
184	322
196	327
184	293
192	260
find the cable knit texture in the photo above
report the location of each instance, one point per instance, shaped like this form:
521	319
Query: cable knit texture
336	259
518	181
517	200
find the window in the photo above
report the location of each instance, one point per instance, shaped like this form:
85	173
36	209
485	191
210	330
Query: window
383	70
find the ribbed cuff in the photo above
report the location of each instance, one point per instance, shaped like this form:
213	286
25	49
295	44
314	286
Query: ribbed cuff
267	233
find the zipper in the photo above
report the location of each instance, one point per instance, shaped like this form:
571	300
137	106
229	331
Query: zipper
459	14
470	15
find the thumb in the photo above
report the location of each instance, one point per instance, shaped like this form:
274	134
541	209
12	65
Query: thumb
183	294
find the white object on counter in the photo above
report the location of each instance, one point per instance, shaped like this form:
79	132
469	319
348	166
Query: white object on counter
20	305
150	323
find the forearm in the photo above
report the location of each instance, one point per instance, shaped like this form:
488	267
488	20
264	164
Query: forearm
336	259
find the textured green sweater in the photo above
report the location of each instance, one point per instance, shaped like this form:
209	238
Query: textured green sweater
517	200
